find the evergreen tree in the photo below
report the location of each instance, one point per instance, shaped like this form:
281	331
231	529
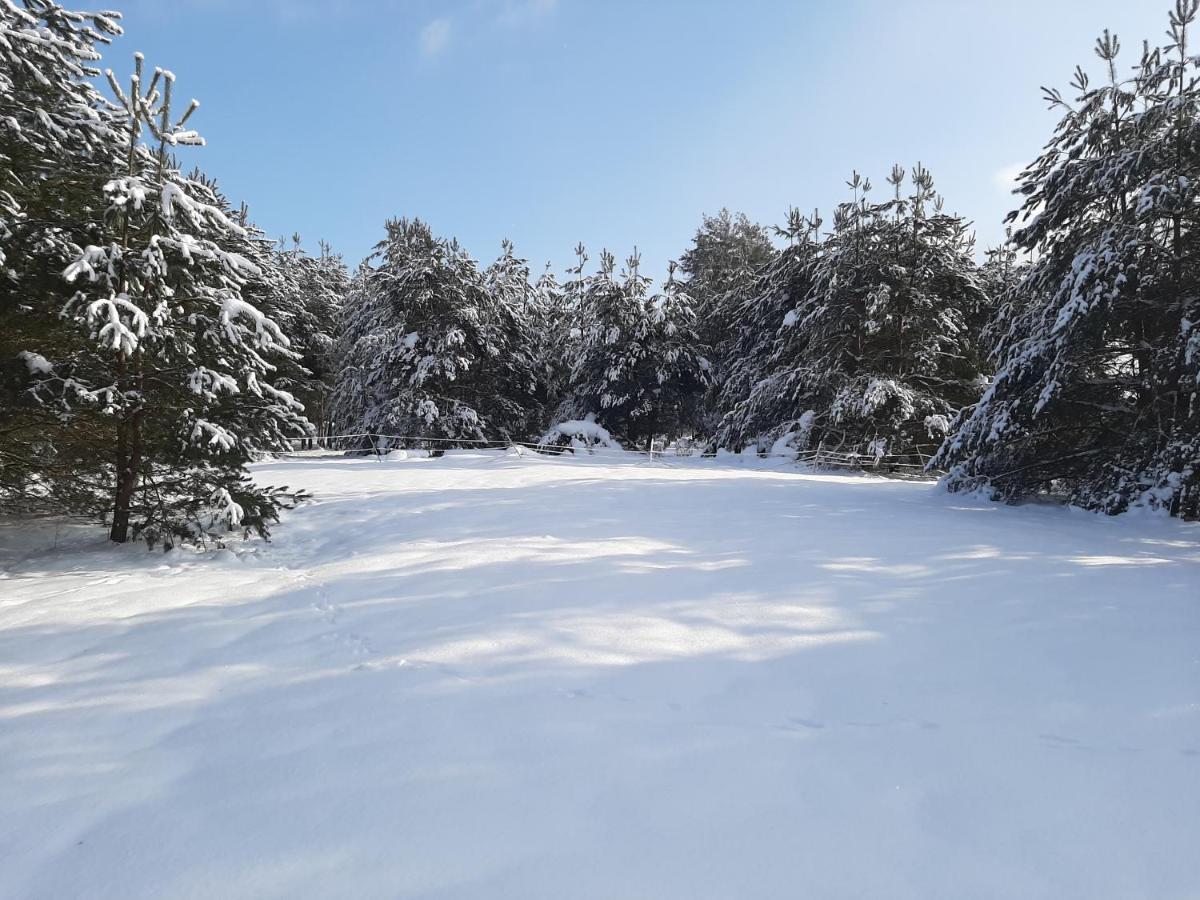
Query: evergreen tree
145	375
178	362
727	255
676	373
877	355
758	392
518	387
1098	358
603	379
551	339
305	294
57	142
637	366
427	350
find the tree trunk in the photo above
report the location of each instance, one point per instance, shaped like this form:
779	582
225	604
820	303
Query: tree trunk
129	461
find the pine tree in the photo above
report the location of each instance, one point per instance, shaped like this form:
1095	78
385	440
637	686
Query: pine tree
57	140
877	355
757	394
305	295
604	377
518	392
550	336
636	367
1098	358
676	373
174	373
726	257
427	350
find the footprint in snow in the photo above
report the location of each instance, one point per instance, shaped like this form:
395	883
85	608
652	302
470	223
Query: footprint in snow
359	645
325	610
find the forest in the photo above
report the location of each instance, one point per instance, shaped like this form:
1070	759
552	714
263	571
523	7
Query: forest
154	342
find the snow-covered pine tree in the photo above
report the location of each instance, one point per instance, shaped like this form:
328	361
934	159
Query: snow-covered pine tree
305	294
57	140
1098	368
178	363
727	255
425	349
675	373
516	402
567	334
550	335
1001	275
608	352
877	355
753	398
890	355
637	366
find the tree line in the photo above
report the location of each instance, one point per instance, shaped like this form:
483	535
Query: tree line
153	340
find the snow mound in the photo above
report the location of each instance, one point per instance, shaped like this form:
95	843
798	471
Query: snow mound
584	433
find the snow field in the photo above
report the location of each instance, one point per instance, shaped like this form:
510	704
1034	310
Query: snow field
499	676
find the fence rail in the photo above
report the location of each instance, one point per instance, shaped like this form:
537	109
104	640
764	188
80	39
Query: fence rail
370	444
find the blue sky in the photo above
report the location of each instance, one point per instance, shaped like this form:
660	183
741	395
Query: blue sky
613	122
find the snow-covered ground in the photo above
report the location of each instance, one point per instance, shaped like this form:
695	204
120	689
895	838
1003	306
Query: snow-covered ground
494	676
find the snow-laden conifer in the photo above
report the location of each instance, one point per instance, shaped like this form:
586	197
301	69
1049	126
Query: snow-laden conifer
58	138
1098	355
305	295
878	352
727	254
757	396
174	372
636	366
428	350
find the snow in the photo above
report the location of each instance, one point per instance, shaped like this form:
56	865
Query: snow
114	333
584	432
267	333
784	446
511	676
36	363
173	195
86	264
212	434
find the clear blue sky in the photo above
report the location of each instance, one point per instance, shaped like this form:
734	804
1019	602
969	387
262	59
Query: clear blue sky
615	122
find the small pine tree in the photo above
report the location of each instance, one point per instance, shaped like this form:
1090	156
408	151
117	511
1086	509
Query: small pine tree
174	373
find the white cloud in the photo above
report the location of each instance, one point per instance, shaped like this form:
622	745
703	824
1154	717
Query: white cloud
434	37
